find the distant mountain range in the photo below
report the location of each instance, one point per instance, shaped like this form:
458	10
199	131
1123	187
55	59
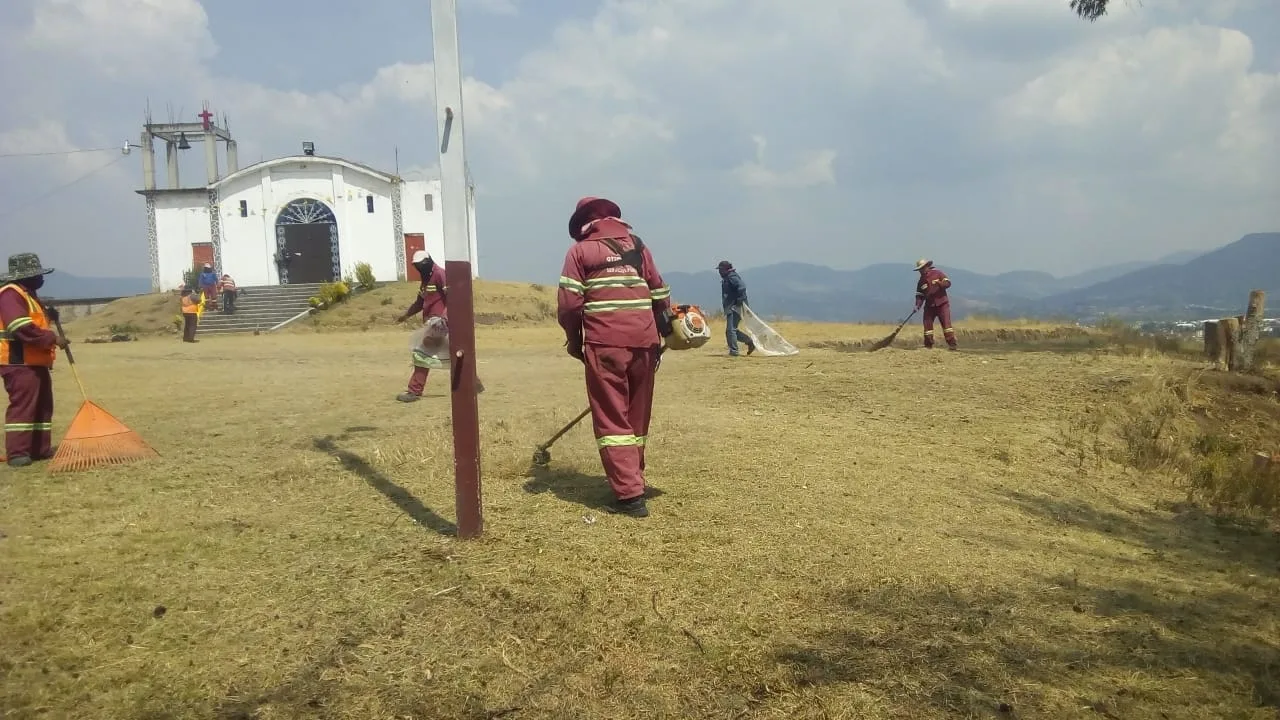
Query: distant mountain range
1185	285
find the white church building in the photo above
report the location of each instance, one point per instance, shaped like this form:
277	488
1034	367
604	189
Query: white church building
291	220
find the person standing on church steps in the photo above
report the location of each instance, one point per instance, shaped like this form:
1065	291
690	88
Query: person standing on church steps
27	351
190	315
432	301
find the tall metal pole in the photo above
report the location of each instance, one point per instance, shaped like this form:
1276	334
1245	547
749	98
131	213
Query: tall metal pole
457	267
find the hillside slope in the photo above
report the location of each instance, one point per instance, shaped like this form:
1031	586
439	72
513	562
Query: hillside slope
882	292
1214	283
496	303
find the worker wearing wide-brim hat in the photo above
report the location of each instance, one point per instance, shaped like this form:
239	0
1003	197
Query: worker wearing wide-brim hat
28	347
931	294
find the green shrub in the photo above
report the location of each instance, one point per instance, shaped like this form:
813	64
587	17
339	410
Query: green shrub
364	276
330	294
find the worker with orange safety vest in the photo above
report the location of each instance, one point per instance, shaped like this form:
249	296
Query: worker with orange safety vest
931	293
190	315
612	304
27	351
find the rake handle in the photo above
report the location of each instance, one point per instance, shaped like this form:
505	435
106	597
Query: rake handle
58	324
71	360
908	317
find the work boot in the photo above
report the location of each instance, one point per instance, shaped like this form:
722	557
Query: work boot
408	397
632	507
18	461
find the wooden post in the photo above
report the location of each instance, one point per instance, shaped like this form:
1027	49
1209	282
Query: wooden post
1231	342
1213	343
457	267
1252	329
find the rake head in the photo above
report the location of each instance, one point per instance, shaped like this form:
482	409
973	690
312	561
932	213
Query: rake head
96	438
886	342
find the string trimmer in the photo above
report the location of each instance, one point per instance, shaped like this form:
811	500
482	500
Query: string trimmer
542	455
889	340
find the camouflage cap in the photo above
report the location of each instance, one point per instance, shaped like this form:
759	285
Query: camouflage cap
23	266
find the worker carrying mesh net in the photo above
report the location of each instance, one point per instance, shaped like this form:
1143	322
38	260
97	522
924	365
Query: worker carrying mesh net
767	340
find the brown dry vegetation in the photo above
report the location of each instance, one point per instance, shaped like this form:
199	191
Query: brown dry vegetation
900	534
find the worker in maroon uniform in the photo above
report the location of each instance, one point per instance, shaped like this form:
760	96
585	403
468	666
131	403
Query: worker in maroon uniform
931	293
613	304
432	302
27	351
432	295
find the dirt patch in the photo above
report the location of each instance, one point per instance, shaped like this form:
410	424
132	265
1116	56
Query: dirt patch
1046	338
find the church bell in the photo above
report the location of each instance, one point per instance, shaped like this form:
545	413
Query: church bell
182	142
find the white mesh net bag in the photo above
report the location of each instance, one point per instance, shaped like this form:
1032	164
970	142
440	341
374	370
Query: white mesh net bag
430	344
767	340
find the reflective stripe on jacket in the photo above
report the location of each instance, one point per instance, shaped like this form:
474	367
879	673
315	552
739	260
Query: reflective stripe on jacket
13	351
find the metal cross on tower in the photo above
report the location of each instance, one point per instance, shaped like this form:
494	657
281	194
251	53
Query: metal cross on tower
457	263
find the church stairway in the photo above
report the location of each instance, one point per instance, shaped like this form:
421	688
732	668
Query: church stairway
259	308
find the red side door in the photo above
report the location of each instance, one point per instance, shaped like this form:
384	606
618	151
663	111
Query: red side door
201	253
413	242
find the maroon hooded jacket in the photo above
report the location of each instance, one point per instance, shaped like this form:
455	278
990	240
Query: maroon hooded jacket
613	306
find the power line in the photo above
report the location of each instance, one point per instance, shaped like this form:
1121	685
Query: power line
60	188
56	152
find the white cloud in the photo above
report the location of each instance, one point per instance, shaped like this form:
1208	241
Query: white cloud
123	38
1185	99
983	121
814	168
495	7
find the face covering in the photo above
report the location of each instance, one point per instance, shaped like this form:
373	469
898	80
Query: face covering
34	283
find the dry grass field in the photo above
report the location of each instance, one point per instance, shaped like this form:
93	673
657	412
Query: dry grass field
900	534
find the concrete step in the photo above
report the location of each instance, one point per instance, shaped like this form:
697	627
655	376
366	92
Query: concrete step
242	312
259	308
214	318
268	303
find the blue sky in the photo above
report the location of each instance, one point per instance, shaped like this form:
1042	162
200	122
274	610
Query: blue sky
990	134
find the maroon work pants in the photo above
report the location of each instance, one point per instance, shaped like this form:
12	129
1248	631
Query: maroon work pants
620	392
28	421
418	380
941	313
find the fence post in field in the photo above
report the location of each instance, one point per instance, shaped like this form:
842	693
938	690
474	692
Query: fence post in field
1252	329
1213	343
1231	342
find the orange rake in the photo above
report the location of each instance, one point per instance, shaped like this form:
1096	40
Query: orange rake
95	438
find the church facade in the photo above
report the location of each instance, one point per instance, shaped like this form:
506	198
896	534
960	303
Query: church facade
291	220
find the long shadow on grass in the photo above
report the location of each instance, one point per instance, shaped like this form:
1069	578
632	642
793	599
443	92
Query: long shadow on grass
1108	633
1198	540
572	486
1126	650
402	498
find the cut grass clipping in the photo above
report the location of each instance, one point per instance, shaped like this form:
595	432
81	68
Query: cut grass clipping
901	534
